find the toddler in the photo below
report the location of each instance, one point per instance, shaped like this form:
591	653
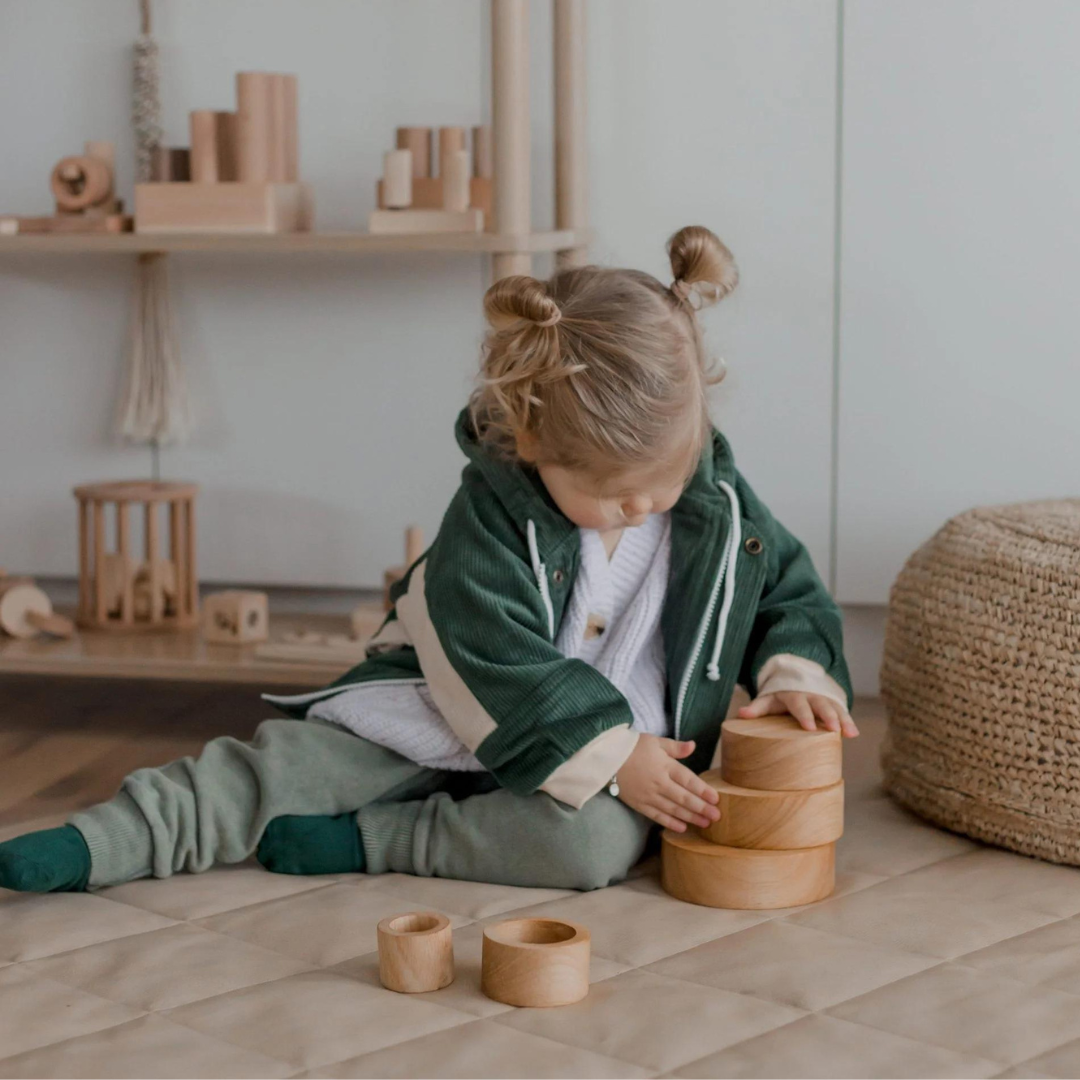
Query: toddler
553	676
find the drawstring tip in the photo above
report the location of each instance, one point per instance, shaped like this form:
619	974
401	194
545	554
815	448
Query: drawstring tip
712	673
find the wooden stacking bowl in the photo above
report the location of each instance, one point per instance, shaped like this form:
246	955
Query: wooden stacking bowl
536	962
416	952
701	872
778	820
774	753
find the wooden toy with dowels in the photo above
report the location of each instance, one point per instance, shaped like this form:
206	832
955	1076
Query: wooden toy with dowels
413	198
781	813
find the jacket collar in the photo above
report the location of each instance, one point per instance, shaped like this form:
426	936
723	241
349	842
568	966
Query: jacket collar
523	494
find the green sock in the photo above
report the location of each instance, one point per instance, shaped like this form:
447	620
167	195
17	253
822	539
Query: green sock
53	860
295	844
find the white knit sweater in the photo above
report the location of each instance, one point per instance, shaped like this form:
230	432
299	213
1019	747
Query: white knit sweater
612	622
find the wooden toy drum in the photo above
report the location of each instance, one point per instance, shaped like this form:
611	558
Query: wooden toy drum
117	590
536	962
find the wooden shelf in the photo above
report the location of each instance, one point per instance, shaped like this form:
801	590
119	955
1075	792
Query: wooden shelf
316	243
178	654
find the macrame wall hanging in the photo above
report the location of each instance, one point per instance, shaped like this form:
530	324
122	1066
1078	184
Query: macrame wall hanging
155	408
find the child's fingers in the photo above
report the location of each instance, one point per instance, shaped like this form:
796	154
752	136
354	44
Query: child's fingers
664	819
827	712
761	706
682	796
695	785
676	748
847	727
799	707
681	813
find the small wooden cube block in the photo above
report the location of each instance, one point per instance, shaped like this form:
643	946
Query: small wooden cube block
235	617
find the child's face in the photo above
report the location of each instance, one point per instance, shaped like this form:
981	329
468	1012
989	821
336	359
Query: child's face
620	501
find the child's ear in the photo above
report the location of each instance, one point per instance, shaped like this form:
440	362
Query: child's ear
527	448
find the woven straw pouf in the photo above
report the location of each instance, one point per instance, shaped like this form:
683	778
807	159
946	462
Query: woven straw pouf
981	679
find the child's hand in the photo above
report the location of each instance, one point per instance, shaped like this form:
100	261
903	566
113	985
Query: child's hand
806	708
653	783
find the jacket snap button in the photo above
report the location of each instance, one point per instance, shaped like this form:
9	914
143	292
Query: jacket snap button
557	577
753	545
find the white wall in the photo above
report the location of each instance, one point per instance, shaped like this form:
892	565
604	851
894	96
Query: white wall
328	386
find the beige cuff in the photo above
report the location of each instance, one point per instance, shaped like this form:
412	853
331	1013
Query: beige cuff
784	671
580	777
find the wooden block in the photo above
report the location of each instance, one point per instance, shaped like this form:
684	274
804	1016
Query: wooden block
387	222
213	146
451	140
418	140
276	141
291	127
483	158
170	163
535	963
254	104
455	178
66	223
776	820
714	875
396	187
80	182
480	197
416	952
20	600
103	151
427	194
235	617
773	753
215	208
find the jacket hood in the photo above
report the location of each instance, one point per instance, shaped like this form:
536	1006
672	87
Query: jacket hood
521	491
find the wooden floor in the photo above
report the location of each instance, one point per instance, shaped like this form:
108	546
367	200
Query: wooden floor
67	743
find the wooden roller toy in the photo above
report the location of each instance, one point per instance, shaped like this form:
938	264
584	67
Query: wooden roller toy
713	875
416	952
80	182
537	963
774	753
25	611
777	820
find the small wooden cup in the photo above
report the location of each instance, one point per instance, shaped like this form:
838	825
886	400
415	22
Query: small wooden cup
536	963
416	952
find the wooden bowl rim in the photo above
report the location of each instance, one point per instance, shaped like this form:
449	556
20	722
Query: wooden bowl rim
441	923
715	780
579	933
696	843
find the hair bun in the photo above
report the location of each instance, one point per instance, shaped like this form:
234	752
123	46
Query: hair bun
702	265
520	299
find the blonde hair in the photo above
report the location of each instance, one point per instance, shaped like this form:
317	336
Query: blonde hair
599	368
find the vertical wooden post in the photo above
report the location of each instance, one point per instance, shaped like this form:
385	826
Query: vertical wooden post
176	553
123	546
84	560
153	563
510	130
191	583
571	188
99	561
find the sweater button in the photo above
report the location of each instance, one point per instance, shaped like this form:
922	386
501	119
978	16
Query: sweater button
557	577
753	546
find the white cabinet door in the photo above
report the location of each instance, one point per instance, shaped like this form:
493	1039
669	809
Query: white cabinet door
959	357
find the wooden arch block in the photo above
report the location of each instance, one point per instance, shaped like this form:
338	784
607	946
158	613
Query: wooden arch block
700	872
776	820
773	753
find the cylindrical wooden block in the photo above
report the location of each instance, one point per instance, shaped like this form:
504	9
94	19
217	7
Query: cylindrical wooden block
416	952
773	753
253	125
455	181
483	156
776	820
204	147
80	182
535	962
700	872
291	127
397	179
276	148
417	140
172	163
451	140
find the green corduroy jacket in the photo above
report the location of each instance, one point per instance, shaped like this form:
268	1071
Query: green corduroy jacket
477	615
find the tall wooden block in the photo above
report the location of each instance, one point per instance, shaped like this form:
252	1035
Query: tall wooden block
455	180
418	141
777	820
451	140
773	753
700	872
255	110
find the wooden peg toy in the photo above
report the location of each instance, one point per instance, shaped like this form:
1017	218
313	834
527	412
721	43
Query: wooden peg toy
416	952
776	820
235	617
483	157
714	875
535	963
455	181
774	753
213	146
397	182
170	163
25	611
417	140
451	141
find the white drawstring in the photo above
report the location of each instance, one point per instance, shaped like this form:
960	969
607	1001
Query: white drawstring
727	571
540	572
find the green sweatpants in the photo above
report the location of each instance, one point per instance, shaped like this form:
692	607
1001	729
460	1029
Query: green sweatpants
193	813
